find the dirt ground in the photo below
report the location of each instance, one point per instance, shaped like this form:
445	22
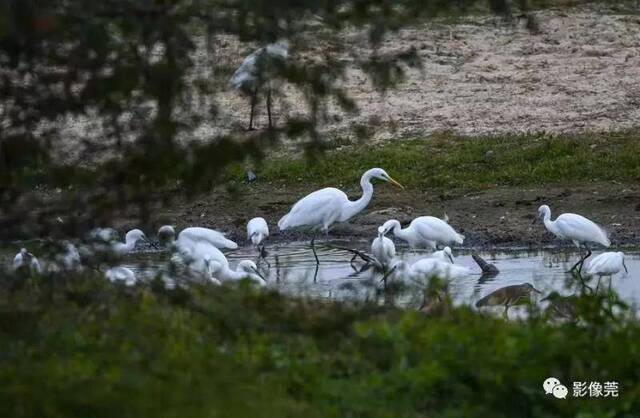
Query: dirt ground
581	72
500	217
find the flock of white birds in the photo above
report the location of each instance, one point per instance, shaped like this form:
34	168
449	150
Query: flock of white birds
199	250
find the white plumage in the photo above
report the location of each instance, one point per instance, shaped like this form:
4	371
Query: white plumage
106	240
259	66
321	209
573	227
24	259
433	267
383	249
607	264
121	274
257	230
424	231
444	254
198	234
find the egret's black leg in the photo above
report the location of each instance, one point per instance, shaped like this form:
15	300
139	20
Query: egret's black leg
269	106
254	99
313	248
584	258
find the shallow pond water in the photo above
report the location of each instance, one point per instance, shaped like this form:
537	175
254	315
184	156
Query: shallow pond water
291	268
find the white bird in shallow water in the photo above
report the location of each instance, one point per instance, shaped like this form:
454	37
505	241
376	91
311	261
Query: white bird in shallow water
204	254
607	264
257	230
109	237
24	259
193	235
322	208
427	268
383	249
444	254
259	69
424	231
575	228
121	275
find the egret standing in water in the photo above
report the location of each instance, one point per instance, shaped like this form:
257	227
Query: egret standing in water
607	264
575	228
383	249
425	231
257	232
257	70
195	234
322	208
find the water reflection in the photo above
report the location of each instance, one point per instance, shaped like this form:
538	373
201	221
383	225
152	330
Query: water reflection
291	268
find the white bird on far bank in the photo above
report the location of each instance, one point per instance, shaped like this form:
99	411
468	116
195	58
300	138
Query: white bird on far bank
607	264
424	231
575	228
24	259
259	69
383	249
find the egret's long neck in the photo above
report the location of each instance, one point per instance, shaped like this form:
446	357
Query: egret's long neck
548	223
399	232
354	207
227	274
129	244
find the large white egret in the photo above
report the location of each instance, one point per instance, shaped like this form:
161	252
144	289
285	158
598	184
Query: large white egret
260	69
25	260
607	264
424	231
322	208
383	249
575	228
193	235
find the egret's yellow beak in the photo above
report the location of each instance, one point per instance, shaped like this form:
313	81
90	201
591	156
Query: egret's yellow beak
395	183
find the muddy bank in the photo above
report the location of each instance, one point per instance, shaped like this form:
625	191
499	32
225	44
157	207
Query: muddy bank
494	217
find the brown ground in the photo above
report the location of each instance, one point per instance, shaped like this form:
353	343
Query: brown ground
497	217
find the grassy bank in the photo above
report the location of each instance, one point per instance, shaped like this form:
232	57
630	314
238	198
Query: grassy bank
445	161
82	347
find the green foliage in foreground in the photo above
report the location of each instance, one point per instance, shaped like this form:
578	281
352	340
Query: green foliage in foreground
475	163
83	347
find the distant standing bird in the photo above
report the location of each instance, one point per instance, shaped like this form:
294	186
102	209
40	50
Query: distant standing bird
257	70
607	264
575	228
425	231
319	210
25	260
383	249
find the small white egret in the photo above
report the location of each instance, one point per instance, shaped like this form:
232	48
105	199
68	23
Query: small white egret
25	260
576	228
322	208
130	240
444	254
197	234
257	230
259	69
121	275
607	264
203	253
424	231
383	249
433	267
106	240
